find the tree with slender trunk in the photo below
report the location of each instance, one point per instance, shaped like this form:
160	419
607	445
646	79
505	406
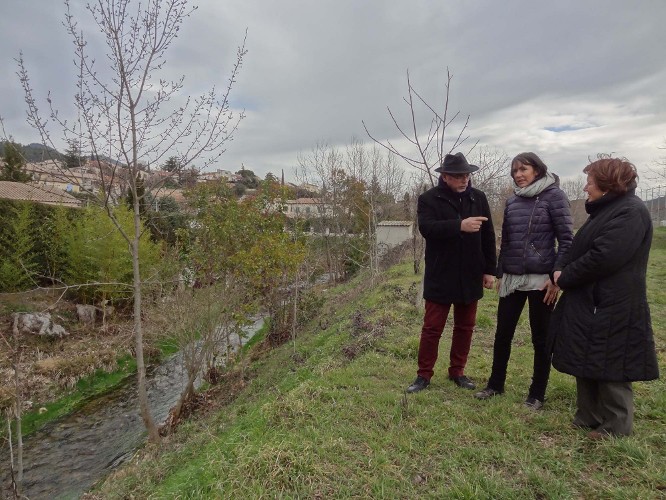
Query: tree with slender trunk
130	117
427	148
656	173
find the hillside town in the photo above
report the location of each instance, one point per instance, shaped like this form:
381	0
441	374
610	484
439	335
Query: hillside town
63	181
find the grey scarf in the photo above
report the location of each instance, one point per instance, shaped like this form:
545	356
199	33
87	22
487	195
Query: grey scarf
534	189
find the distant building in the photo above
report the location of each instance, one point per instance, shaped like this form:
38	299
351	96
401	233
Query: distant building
303	189
306	208
91	177
37	194
391	233
218	175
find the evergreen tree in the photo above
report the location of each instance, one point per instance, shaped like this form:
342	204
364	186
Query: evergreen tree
73	157
14	164
17	250
165	219
188	178
52	234
172	165
249	179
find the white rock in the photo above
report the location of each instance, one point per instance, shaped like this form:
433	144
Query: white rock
39	324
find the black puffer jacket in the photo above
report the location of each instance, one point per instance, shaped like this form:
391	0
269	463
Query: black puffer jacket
455	262
529	231
601	328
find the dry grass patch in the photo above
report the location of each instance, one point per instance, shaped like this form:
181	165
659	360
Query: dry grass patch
50	367
67	370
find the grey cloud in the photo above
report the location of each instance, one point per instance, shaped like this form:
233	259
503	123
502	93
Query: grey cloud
314	70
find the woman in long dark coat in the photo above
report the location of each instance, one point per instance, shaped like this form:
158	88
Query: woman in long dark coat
601	328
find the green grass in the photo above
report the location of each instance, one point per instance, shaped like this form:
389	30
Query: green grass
314	423
85	389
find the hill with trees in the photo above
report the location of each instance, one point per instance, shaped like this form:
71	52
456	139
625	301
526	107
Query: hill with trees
35	152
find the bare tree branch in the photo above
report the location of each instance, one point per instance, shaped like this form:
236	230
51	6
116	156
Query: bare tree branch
430	146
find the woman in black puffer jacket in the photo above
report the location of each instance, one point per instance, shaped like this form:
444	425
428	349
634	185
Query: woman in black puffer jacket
535	219
601	328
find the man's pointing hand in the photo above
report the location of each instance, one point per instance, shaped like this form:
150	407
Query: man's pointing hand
472	224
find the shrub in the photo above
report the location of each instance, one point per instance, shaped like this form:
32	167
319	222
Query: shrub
99	258
18	260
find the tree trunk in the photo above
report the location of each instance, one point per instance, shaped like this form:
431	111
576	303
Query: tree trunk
185	396
153	433
17	383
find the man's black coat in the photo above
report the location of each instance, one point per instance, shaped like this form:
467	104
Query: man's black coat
455	261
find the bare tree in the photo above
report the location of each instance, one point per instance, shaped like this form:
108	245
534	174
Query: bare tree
17	475
207	325
357	188
417	186
573	187
319	167
657	171
128	113
382	180
493	177
427	148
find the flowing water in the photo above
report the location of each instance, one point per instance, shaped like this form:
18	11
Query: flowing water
66	457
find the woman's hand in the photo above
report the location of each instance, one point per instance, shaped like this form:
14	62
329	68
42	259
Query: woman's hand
556	276
551	292
488	281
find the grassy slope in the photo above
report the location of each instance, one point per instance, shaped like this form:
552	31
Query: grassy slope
313	423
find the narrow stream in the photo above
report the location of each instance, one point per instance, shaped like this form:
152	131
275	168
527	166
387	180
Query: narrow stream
66	457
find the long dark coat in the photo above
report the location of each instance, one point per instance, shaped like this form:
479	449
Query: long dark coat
455	262
601	328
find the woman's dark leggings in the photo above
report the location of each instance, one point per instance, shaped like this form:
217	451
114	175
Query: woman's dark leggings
508	314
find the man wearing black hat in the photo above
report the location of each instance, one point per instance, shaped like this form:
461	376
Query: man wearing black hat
460	260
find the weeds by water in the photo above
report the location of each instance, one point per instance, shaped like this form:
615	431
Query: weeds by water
94	385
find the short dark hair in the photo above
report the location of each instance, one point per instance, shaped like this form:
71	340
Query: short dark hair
533	160
616	175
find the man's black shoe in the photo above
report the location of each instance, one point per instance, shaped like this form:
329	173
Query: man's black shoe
463	382
419	384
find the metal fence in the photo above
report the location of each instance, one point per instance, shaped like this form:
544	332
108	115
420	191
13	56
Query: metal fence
655	201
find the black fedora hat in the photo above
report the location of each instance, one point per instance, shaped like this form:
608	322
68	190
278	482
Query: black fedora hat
456	164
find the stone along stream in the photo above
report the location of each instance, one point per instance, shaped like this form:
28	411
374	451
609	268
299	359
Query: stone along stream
68	456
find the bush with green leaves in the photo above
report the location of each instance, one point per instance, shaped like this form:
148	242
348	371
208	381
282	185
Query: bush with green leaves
52	230
18	257
98	256
244	241
13	166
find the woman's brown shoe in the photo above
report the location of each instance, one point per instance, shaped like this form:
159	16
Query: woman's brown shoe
599	435
487	393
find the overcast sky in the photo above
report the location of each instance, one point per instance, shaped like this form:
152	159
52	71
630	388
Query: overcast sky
566	79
